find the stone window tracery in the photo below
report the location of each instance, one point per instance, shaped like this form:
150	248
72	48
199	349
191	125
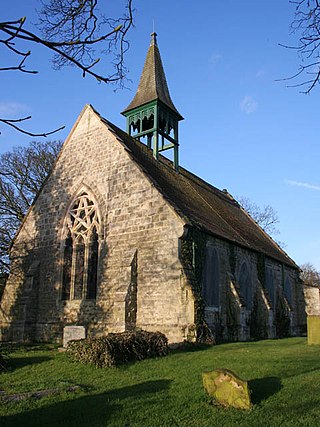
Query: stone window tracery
81	250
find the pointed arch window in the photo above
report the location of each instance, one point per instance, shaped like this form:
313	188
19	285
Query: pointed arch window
81	250
67	266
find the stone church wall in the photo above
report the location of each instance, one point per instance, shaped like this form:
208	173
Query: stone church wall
143	280
136	224
242	317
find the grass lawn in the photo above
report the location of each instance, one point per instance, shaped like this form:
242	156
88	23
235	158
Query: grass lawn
284	377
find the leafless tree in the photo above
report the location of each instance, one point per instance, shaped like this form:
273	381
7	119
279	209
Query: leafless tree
306	25
77	34
22	173
309	274
265	216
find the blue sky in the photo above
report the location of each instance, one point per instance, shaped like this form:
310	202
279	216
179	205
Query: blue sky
242	130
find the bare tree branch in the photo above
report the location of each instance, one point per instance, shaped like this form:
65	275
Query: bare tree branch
266	217
77	34
309	274
11	122
307	25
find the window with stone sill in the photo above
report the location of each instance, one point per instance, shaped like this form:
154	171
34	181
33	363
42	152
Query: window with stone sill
81	250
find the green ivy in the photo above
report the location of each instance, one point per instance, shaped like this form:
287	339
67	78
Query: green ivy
258	320
231	317
261	269
232	258
281	318
193	257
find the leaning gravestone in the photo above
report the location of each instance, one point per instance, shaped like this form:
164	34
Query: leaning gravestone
71	333
227	388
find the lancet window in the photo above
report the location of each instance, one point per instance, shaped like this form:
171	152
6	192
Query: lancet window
81	250
245	285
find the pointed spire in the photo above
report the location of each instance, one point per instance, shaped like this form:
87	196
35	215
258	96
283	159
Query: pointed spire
151	115
153	83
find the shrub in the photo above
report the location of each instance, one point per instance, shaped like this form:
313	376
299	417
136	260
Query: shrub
115	349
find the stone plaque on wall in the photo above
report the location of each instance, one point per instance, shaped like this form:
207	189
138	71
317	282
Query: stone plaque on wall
71	333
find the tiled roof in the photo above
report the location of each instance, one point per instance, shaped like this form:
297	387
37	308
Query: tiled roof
199	203
153	83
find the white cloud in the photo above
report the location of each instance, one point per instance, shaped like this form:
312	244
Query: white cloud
302	184
9	109
260	73
215	58
248	105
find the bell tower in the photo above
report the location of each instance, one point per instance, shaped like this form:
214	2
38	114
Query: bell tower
151	114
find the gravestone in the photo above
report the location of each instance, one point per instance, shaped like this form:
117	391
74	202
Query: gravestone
313	329
227	389
71	333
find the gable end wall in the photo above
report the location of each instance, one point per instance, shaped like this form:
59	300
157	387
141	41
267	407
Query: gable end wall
135	217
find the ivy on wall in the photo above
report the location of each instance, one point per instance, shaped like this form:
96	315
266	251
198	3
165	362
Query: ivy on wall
261	269
232	258
232	316
282	316
258	318
193	257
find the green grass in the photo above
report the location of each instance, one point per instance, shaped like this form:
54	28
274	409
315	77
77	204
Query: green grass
284	377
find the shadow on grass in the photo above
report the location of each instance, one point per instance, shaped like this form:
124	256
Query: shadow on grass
92	410
13	347
189	348
15	363
262	388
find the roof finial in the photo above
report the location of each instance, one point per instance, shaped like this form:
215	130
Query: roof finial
153	39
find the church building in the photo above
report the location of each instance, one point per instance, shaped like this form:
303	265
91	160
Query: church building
120	237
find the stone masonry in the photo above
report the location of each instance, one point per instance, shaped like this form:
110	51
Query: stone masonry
135	218
140	237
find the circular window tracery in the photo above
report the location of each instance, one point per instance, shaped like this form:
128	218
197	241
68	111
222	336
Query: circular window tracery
83	216
81	250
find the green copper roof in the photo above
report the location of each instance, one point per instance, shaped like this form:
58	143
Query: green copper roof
153	84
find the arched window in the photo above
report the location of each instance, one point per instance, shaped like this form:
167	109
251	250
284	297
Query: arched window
81	250
79	269
67	265
92	265
211	278
245	285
